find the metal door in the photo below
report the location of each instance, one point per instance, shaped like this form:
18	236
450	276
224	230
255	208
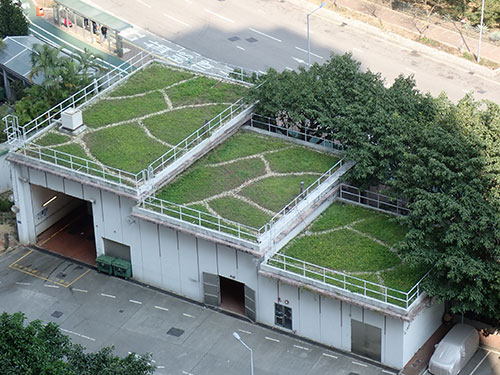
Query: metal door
211	289
250	303
366	340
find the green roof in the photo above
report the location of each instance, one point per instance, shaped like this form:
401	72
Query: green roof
97	15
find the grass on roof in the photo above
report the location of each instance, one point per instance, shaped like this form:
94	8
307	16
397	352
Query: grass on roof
240	211
52	139
331	242
153	77
292	160
106	112
174	126
205	90
124	147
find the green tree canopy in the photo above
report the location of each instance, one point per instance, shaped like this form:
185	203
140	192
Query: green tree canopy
42	349
12	20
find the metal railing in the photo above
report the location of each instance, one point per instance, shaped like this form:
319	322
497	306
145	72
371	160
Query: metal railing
294	202
200	218
194	138
307	135
80	98
81	165
346	282
373	200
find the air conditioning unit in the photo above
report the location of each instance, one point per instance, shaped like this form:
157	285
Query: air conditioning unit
71	119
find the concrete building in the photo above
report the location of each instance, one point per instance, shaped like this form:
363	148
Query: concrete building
204	257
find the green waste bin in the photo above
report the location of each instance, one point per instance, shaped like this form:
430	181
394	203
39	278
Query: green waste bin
122	268
105	264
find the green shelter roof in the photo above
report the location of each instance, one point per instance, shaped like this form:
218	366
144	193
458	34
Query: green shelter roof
97	15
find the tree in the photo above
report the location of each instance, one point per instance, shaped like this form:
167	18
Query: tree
42	349
12	20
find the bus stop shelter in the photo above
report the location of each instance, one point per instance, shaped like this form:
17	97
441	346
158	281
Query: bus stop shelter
92	24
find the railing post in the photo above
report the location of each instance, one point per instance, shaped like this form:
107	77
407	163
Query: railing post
199	218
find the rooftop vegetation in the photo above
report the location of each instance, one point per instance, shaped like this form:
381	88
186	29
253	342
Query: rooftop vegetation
145	117
248	178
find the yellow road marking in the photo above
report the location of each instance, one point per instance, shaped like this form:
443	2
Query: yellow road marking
25	255
78	278
56	233
40	277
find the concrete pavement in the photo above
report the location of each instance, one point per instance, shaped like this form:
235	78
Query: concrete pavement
97	310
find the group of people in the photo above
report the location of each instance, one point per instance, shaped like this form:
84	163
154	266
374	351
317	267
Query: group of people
95	28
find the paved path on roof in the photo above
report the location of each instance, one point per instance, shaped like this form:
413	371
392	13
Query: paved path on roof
272	33
96	310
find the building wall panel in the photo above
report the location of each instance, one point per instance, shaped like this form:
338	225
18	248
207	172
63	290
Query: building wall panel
55	183
289	296
393	339
111	211
267	295
190	275
226	259
37	177
170	263
309	315
73	188
330	322
150	251
247	269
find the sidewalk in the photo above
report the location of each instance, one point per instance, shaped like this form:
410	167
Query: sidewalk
414	28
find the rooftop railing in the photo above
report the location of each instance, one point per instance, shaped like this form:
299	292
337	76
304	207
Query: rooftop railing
373	200
340	280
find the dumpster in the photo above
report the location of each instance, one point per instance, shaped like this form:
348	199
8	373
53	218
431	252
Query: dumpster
122	268
105	264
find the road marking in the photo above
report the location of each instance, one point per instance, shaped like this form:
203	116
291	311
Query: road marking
271	339
186	373
25	255
466	91
388	372
247	332
489	350
78	278
188	315
329	355
288	68
77	334
359	364
357	50
107	295
411	70
134	301
300	61
239	47
261	72
300	347
266	35
479	364
312	54
143	3
18	283
80	290
177	20
161	308
51	286
218	15
160	366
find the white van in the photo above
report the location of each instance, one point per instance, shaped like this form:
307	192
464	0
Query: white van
454	350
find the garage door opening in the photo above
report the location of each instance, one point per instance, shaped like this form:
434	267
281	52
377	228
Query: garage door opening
64	224
232	294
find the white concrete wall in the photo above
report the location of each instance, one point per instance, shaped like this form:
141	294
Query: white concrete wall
5	181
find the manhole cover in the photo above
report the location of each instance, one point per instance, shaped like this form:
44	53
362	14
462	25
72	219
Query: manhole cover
175	332
233	39
251	40
56	314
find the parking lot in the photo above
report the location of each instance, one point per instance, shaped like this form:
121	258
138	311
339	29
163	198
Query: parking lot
97	310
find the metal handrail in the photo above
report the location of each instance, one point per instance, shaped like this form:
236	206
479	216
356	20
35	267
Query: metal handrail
379	202
347	282
307	135
193	139
81	165
199	218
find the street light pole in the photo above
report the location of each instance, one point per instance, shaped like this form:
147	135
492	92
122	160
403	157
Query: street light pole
308	33
237	337
480	32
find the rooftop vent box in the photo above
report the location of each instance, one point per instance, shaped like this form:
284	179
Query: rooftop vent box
71	119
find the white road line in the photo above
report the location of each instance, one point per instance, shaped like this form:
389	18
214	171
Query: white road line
247	332
188	315
271	339
330	356
264	34
359	364
186	373
136	302
239	47
143	3
300	347
218	15
479	364
160	366
107	295
19	283
357	50
261	72
80	290
312	54
300	61
288	68
466	91
388	372
411	70
161	308
77	334
51	286
489	350
177	20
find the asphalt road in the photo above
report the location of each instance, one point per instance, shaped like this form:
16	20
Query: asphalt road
272	33
97	310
